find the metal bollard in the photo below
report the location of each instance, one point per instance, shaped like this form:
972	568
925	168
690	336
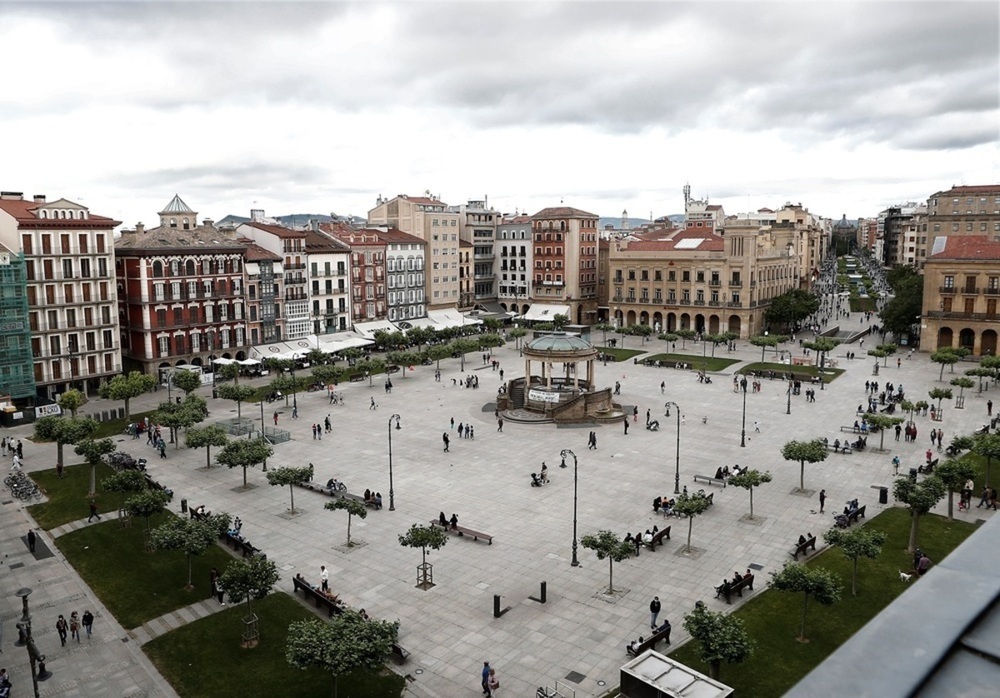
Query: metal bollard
496	605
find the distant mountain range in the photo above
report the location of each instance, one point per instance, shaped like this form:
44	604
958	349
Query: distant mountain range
294	220
634	222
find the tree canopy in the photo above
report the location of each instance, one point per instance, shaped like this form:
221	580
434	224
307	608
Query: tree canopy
249	578
191	536
816	582
607	545
72	400
64	431
748	479
814	451
945	357
903	310
126	387
954	473
690	506
94	451
353	508
856	543
791	307
290	476
187	381
721	637
206	437
238	393
244	453
921	497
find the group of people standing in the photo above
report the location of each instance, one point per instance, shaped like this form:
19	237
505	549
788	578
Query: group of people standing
72	627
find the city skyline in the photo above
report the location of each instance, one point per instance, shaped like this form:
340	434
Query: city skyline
322	107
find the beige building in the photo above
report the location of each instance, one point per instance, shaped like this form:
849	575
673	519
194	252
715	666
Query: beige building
961	289
72	296
431	220
565	262
972	210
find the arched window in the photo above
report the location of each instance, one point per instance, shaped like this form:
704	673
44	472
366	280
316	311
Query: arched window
189	268
175	268
173	222
184	222
157	269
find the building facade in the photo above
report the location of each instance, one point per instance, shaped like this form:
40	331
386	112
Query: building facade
965	210
71	295
180	293
565	261
466	292
17	373
264	294
404	271
329	269
514	263
368	301
961	290
479	227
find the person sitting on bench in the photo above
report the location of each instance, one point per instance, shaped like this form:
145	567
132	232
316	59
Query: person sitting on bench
634	645
665	628
378	500
725	472
836	445
454	522
802	539
737	577
718	473
647	537
535	481
442	520
656	504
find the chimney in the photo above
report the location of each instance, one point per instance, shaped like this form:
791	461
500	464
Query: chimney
314	225
140	229
12	195
39	198
256	215
208	223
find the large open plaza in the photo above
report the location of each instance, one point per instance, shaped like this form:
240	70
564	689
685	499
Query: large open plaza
578	635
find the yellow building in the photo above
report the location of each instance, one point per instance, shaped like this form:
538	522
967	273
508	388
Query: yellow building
961	288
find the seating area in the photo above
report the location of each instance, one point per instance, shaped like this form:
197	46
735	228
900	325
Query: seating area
463	531
710	480
241	545
850	515
803	547
661	633
728	588
927	468
322	599
322	489
658	538
838	446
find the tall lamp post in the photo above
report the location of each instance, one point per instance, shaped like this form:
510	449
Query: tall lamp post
392	494
743	432
25	640
566	452
788	408
677	460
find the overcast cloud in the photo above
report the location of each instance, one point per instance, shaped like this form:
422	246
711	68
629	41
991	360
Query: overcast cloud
320	107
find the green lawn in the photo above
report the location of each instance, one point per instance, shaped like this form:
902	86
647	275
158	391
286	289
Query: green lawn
204	658
622	354
862	304
68	499
772	618
708	363
116	427
135	585
829	374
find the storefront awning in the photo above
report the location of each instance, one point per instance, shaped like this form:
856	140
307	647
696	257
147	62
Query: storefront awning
368	329
544	312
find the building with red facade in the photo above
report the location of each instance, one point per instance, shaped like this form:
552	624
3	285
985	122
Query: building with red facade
368	249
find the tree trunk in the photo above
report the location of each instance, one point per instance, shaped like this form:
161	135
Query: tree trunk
802	627
93	479
951	496
348	529
244	477
802	475
208	457
690	524
941	375
239	412
611	576
751	502
881	440
854	578
713	669
291	491
914	524
128	413
59	452
189	584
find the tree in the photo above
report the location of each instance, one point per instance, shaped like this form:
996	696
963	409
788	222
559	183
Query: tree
856	543
238	393
124	482
979	373
685	335
64	431
176	416
424	537
791	307
644	331
962	383
289	476
249	578
72	400
518	332
954	474
489	341
206	437
765	341
188	381
230	372
93	451
879	353
690	507
604	328
372	366
903	310
804	452
921	497
939	394
888	349
559	321
668	337
945	357
963	442
126	387
146	504
344	644
492	324
882	422
244	453
464	346
987	446
191	536
749	479
822	346
816	582
438	352
353	508
403	359
608	545
317	357
721	638
328	374
284	384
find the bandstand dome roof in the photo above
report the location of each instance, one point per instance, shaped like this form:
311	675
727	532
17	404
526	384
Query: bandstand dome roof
560	342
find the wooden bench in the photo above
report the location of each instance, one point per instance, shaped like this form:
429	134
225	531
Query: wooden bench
358	379
316	487
710	480
463	531
855	515
803	548
928	467
650	642
746	582
241	545
658	538
710	497
844	448
399	652
321	599
851	430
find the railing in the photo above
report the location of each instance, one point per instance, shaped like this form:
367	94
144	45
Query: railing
955	314
947	289
970	291
735	284
715	282
991	291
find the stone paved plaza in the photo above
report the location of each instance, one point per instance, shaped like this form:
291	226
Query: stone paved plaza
450	630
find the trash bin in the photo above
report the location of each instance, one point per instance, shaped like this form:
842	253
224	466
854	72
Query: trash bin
184	506
883	495
913	474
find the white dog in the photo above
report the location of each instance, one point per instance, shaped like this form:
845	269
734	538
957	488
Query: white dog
903	577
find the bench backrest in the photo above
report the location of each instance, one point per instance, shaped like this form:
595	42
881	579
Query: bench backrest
744	582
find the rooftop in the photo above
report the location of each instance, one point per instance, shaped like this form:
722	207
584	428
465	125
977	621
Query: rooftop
562	212
176	206
560	342
964	247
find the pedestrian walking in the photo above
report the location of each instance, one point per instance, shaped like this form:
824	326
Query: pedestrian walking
324	578
500	425
822	500
61	628
295	412
663	387
989	408
453	421
220	593
647	417
654	611
756	426
373	405
592	441
276	418
493	683
88	623
635	413
31	541
93	513
74	626
625	422
444	437
486	678
327	424
213	580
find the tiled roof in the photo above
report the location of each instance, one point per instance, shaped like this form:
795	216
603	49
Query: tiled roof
256	253
422	200
973	189
398	237
323	242
353	236
672	239
465	243
562	212
166	238
24	212
516	220
278	230
967	247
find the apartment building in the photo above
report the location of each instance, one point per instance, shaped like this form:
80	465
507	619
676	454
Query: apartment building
961	289
466	295
429	219
812	239
71	294
17	372
565	262
965	210
404	271
330	293
898	224
367	268
264	294
478	226
290	245
180	292
701	214
514	263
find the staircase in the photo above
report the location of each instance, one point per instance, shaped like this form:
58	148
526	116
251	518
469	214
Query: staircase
517	394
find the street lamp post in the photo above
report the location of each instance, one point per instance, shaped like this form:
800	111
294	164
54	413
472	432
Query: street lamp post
392	494
743	432
677	459
788	409
566	452
39	673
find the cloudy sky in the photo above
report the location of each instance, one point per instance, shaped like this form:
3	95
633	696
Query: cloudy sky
320	107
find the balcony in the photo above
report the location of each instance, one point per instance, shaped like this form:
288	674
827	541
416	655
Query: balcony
735	304
991	291
715	283
289	279
958	315
947	289
699	302
970	291
734	283
288	265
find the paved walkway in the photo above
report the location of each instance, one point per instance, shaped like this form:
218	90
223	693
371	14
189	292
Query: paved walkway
580	633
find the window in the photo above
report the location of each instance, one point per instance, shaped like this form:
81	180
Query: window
949	282
671	275
658	275
685	275
67	268
701	277
108	339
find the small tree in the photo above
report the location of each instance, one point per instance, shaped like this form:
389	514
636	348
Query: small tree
438	352
954	474
327	374
93	451
146	504
371	367
64	431
939	394
879	353
668	337
282	383
353	508
404	359
856	543
289	476
945	357
126	387
921	497
816	582
962	383
424	537
690	507
886	350
176	416
721	638
191	536
804	452
604	328
124	482
206	437
559	321
643	331
244	453
988	447
765	341
608	545
72	400
749	479
346	643
187	381
238	393
464	346
518	332
883	423
230	372
249	578
685	335
822	346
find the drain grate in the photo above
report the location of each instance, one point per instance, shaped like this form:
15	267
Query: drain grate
755	567
575	677
17	565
